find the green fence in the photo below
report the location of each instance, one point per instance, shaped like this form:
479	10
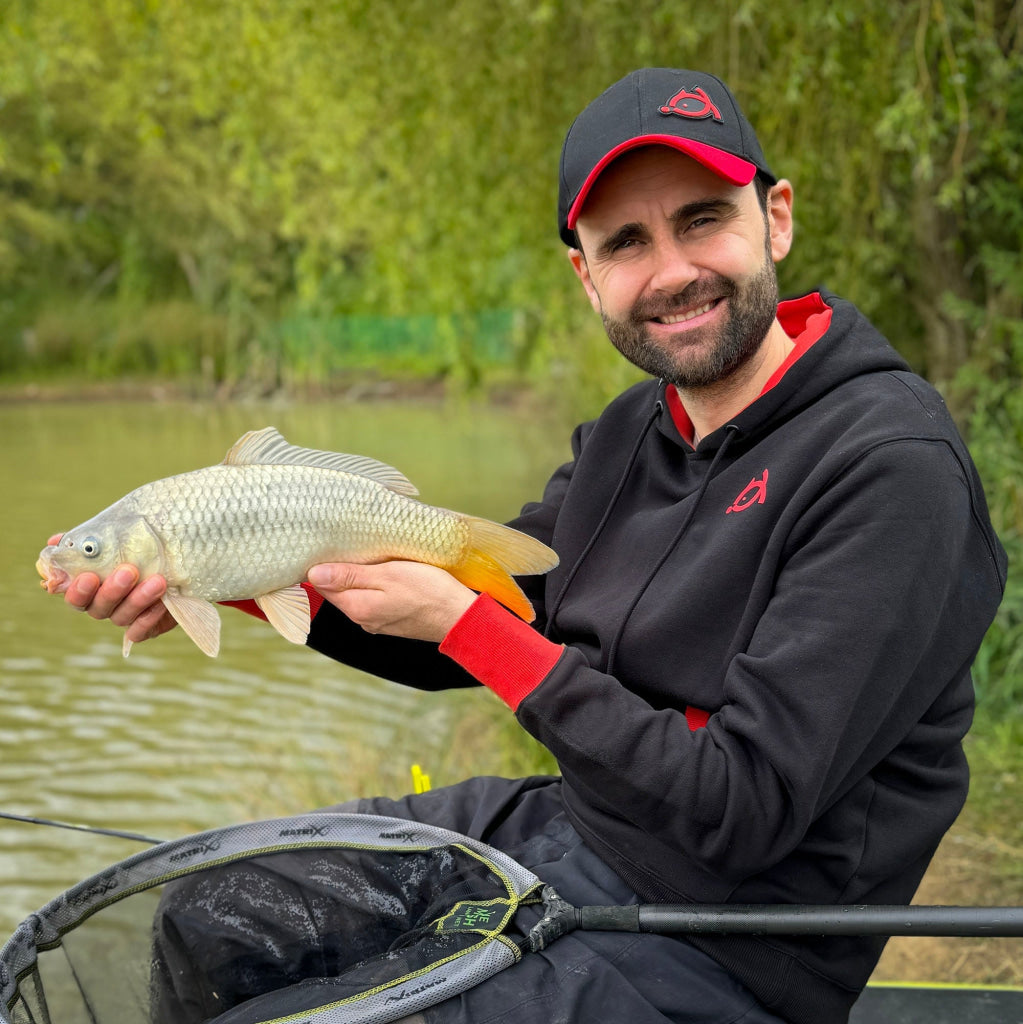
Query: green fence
424	343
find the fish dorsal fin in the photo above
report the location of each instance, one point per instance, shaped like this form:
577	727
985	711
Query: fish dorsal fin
267	447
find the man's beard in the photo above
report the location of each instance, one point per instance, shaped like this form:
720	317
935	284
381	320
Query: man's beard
688	364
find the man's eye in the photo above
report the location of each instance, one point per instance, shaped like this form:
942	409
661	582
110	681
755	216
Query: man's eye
624	243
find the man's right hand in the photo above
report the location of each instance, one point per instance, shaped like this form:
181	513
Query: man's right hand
122	598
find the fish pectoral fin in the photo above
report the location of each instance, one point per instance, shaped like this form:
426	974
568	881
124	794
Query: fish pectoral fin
198	618
287	611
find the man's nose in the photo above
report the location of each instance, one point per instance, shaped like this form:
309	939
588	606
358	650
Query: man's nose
673	268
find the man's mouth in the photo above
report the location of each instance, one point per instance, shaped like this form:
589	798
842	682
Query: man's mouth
681	318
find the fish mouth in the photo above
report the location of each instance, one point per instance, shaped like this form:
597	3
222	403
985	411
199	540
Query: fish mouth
54	580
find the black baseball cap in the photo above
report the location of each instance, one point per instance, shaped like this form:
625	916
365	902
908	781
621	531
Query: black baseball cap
690	111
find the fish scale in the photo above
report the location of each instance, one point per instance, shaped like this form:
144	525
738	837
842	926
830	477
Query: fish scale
252	526
232	531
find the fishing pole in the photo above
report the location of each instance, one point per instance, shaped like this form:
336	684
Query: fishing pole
117	833
560	918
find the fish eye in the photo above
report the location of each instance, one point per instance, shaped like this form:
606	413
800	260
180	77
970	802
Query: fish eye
90	547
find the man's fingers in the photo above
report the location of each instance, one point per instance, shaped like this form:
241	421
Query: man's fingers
123	598
138	600
120	597
401	598
100	599
81	590
154	621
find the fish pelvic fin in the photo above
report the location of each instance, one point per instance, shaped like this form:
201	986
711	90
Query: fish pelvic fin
267	447
198	618
287	611
494	554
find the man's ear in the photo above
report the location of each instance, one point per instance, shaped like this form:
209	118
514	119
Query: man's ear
779	219
578	261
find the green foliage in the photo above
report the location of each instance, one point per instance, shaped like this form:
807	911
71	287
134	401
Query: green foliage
267	194
283	158
991	386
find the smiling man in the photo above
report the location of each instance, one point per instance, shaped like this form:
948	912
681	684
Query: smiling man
753	662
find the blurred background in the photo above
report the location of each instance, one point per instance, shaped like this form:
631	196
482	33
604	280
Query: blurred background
256	211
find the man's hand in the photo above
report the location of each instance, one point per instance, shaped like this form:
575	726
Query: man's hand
123	599
409	599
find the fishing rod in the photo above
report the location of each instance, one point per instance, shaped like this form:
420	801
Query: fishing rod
95	830
560	918
420	782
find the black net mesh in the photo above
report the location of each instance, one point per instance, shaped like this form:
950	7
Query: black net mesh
337	917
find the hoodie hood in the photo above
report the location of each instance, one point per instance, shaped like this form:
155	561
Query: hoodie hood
855	349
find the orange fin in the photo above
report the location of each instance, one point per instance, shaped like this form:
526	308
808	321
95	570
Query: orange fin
478	571
495	553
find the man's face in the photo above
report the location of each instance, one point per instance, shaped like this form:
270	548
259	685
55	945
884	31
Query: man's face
680	265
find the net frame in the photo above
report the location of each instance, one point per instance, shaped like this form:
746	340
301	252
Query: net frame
175	859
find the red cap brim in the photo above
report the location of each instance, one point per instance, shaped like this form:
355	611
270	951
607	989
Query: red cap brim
732	168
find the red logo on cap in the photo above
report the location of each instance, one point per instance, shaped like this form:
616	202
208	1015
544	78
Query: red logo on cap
695	104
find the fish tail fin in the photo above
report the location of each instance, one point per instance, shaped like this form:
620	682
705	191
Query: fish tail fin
493	555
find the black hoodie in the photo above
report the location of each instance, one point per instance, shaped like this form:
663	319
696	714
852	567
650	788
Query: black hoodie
812	582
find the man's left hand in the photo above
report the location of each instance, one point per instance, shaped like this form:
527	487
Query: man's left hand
409	599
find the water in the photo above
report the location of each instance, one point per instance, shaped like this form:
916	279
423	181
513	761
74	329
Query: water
170	742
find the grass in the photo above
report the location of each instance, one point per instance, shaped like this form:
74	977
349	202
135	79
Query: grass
451	735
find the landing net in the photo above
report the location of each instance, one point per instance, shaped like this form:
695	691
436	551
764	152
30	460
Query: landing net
327	919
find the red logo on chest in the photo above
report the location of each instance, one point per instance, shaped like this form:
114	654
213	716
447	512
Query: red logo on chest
754	493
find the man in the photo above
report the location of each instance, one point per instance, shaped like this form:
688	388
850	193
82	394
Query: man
752	663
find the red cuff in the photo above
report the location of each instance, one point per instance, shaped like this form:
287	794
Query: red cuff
250	606
504	653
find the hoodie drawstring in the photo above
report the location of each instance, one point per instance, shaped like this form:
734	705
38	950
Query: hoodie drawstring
619	488
731	431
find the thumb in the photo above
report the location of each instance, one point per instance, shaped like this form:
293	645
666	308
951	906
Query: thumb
337	576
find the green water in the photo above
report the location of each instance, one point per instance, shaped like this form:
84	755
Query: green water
169	741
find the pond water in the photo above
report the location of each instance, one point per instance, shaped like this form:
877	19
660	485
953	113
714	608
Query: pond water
168	741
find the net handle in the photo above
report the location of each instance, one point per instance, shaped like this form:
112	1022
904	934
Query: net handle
561	917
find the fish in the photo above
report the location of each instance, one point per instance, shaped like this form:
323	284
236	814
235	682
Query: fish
251	526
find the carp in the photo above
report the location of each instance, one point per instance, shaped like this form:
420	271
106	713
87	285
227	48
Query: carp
251	526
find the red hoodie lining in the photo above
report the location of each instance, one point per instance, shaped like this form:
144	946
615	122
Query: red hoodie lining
249	605
805	320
